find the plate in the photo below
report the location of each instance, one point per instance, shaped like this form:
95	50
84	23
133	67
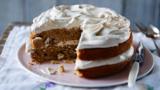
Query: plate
70	79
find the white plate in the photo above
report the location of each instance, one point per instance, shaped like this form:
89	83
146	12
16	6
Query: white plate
68	78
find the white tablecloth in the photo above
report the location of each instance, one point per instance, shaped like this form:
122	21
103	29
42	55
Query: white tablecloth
13	77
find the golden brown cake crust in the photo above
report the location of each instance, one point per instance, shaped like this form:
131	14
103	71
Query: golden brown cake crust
104	53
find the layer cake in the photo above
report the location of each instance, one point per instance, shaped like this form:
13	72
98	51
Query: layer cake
97	39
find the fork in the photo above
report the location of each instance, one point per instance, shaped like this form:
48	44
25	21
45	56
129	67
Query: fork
151	32
138	59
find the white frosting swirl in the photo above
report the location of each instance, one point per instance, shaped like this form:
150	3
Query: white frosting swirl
98	35
81	64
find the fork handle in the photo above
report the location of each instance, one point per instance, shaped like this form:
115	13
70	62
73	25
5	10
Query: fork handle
133	74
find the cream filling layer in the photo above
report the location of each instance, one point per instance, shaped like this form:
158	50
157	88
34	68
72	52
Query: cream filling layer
60	44
70	42
81	64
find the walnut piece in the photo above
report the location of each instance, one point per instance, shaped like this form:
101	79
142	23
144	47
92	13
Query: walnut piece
60	69
38	42
60	56
49	41
51	71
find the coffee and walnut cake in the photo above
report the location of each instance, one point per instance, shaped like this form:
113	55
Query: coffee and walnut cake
97	39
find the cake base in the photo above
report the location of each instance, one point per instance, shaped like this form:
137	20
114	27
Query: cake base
102	71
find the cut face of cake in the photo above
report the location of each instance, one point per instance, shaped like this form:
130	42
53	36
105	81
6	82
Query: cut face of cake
56	44
97	39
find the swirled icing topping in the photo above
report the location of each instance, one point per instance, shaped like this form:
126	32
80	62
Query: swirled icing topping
101	27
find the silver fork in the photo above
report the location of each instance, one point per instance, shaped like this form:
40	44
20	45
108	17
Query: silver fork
138	59
155	35
151	32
